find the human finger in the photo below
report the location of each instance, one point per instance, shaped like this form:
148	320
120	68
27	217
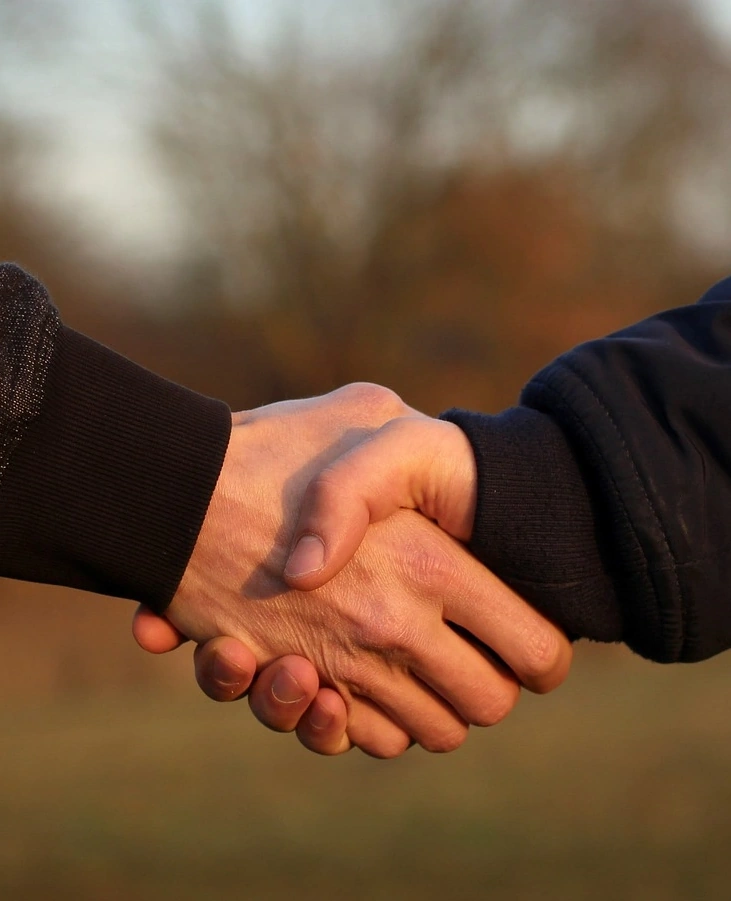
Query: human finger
454	588
470	682
224	668
323	726
283	692
415	709
284	696
154	633
531	646
373	731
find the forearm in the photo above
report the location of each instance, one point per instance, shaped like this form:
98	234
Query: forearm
603	499
109	469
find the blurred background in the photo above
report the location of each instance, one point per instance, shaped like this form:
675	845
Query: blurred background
267	199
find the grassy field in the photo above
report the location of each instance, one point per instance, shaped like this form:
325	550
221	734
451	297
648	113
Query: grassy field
616	787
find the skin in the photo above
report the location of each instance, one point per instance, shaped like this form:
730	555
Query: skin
381	633
414	462
225	670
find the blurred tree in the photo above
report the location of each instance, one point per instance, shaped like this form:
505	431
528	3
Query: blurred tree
30	233
33	231
450	203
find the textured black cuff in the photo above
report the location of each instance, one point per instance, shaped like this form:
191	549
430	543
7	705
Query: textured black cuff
535	525
109	486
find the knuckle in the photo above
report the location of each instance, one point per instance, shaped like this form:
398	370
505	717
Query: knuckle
543	661
447	740
317	744
382	403
387	747
497	706
431	568
392	635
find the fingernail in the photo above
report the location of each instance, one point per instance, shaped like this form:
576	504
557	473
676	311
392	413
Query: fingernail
226	672
307	557
286	689
320	717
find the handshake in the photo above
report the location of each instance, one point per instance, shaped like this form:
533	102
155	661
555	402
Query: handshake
326	571
331	580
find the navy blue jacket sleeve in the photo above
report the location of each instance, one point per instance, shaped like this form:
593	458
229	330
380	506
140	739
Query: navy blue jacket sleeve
605	496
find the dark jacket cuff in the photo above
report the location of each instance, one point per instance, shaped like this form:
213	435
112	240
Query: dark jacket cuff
535	523
110	484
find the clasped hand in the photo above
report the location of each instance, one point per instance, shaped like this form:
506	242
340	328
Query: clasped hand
313	567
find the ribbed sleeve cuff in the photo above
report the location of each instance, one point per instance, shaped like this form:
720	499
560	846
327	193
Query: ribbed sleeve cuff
535	525
110	485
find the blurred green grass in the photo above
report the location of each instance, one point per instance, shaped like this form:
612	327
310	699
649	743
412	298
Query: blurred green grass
617	786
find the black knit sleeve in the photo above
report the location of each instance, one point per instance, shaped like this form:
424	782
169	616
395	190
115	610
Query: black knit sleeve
106	470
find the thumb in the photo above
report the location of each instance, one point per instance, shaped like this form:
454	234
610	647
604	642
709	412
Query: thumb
409	462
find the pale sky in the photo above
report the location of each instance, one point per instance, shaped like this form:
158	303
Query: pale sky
100	162
88	97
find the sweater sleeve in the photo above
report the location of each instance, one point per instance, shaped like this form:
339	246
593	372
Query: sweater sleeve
106	470
603	498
